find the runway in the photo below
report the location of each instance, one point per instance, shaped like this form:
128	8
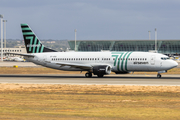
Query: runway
169	80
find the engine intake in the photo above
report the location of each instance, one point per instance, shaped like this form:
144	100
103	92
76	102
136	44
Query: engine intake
101	70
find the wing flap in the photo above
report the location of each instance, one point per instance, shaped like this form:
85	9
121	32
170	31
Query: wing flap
81	66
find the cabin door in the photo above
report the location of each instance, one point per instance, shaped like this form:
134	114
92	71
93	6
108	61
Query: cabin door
152	60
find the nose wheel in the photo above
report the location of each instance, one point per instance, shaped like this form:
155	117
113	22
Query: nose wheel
88	75
158	75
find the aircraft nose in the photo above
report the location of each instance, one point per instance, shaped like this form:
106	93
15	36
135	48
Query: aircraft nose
175	64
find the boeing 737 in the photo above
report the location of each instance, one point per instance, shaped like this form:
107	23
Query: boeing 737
97	63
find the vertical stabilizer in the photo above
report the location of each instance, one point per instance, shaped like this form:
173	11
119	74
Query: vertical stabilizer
32	43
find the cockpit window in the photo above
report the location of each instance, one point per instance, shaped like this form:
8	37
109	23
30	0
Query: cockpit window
165	58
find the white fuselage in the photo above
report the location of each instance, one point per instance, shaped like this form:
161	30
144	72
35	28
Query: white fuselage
119	61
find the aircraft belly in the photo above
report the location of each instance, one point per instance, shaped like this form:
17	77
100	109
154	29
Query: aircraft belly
60	67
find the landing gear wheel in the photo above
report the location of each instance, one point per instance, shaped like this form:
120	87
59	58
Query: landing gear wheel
88	75
100	75
158	76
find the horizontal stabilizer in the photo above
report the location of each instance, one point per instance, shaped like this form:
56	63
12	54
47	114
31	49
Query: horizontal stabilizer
26	55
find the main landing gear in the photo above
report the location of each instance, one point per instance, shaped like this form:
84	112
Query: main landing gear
158	75
88	74
100	75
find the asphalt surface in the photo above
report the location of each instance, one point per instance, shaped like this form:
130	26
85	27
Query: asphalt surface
129	79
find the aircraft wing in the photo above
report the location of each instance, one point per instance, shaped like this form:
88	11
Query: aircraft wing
26	55
81	66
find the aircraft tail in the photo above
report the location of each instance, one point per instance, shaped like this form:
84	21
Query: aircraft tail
32	43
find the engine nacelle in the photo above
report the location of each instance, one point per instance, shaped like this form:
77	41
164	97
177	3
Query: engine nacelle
101	69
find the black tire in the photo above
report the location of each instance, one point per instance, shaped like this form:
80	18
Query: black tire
158	76
88	75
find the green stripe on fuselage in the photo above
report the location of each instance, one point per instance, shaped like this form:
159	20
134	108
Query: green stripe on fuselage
124	57
119	61
127	60
115	59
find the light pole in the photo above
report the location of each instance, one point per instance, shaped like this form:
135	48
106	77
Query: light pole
1	16
155	40
75	39
149	35
4	33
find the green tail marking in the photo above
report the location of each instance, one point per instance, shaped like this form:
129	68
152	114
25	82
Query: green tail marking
42	48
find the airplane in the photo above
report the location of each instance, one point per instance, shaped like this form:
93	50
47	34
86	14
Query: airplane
97	63
17	59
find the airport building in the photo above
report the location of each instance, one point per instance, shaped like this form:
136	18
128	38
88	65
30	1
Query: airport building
168	47
18	49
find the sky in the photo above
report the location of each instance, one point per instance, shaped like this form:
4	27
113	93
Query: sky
93	19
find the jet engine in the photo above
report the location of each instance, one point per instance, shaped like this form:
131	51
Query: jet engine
101	70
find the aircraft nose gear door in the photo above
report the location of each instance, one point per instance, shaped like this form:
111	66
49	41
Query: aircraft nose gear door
152	60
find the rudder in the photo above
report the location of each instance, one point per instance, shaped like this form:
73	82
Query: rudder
32	43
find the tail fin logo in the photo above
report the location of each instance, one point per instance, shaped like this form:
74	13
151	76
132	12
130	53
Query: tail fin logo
32	43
